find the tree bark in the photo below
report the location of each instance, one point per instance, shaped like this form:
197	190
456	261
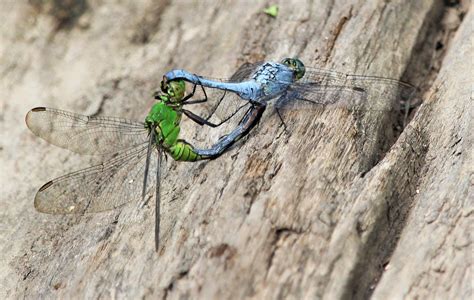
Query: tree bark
345	206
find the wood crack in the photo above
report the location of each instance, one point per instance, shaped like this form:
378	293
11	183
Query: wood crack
335	34
380	237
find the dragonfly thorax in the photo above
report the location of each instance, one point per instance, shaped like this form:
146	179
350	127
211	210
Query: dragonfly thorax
162	115
273	79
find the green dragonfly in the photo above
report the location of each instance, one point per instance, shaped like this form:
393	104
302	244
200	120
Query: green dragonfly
133	149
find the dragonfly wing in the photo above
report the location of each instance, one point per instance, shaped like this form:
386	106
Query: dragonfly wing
83	134
304	96
397	94
102	187
245	72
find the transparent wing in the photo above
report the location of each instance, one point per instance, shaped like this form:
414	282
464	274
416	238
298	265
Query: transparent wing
102	187
244	72
380	91
323	88
303	96
83	134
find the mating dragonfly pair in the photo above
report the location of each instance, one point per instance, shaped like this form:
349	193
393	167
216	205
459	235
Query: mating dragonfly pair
137	147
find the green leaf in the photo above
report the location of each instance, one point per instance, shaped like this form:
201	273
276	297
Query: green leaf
272	10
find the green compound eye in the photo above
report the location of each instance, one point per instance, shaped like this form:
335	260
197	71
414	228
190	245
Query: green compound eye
300	68
296	65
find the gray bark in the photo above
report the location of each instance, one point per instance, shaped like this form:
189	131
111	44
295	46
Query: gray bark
343	207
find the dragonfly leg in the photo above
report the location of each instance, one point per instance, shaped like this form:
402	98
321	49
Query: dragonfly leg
281	119
186	102
196	118
185	99
199	120
232	115
250	120
215	107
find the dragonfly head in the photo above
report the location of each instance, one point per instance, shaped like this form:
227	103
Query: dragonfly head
174	90
296	65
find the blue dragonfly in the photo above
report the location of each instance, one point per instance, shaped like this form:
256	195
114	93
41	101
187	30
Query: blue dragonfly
295	87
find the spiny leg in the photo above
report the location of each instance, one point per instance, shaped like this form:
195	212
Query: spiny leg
222	139
186	102
234	113
198	119
250	120
201	121
215	107
194	117
281	119
185	99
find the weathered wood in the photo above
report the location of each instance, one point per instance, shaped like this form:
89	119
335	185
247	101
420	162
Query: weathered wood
433	257
343	207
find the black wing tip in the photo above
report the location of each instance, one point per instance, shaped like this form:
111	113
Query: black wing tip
36	109
45	186
28	115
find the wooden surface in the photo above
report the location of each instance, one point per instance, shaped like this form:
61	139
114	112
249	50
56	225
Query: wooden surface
341	208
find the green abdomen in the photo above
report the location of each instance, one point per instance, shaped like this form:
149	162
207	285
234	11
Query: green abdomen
183	151
167	120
